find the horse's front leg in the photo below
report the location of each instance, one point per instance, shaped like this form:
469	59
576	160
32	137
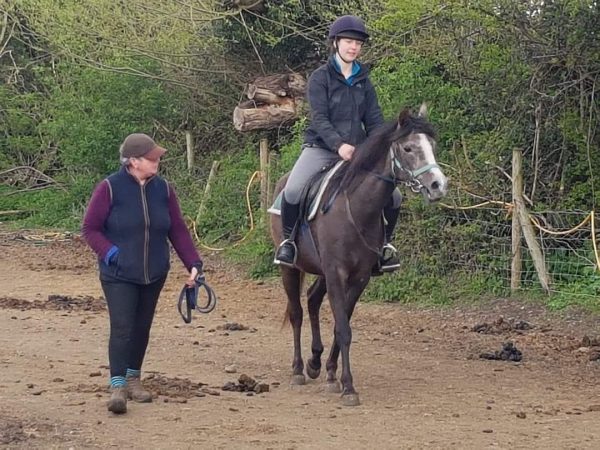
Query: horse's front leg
332	364
292	281
315	298
343	300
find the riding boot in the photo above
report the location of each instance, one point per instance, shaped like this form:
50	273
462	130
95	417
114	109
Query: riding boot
389	255
286	252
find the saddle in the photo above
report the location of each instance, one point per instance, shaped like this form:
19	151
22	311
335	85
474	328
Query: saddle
312	194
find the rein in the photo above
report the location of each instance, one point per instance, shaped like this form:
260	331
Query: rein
188	299
375	250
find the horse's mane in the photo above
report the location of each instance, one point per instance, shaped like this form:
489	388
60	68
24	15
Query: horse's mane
377	145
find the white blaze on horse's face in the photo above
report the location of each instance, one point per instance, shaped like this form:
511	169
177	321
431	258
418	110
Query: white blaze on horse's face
418	153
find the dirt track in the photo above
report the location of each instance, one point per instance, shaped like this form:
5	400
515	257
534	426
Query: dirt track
421	381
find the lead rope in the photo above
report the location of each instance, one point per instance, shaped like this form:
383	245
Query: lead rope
188	299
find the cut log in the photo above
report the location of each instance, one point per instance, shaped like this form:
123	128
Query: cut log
281	85
264	117
274	100
262	95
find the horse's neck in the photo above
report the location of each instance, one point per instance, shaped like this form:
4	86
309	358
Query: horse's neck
371	193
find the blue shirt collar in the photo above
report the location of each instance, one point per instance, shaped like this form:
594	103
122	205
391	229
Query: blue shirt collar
355	70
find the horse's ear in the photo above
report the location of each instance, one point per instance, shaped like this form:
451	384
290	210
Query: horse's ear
423	110
403	117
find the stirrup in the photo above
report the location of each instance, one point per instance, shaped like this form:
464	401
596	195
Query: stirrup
391	263
285	263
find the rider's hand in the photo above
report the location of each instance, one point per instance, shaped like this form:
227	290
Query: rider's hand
346	151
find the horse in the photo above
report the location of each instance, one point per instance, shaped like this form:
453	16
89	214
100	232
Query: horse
342	245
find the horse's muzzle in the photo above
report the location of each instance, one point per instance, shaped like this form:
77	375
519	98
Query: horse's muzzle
435	188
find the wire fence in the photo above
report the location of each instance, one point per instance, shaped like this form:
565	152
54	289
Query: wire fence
475	244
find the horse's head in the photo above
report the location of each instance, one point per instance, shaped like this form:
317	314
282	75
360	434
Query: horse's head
412	156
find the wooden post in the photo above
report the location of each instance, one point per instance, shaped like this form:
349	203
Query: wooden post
270	182
264	177
189	142
517	186
534	248
211	175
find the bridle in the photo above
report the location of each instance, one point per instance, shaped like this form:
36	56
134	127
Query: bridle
402	175
410	179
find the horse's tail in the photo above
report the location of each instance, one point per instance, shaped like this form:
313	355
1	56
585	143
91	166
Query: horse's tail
286	315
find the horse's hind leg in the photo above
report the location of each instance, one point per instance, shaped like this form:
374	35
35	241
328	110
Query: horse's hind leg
315	298
292	282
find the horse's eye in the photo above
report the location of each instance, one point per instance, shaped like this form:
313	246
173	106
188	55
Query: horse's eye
407	149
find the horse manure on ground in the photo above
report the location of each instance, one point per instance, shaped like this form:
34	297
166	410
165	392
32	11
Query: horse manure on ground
509	352
12	432
81	303
172	387
16	432
588	341
56	303
502	326
233	326
246	384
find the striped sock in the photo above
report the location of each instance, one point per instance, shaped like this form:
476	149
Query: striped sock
118	381
133	373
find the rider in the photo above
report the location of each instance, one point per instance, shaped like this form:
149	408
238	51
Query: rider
344	111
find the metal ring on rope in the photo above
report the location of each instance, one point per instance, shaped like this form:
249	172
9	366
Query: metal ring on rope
188	299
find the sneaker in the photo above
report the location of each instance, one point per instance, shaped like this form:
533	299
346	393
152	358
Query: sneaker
389	261
286	254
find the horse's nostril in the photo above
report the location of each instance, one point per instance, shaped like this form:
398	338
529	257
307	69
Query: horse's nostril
435	186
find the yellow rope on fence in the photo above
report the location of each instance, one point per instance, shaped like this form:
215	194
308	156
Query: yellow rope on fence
509	207
248	204
559	233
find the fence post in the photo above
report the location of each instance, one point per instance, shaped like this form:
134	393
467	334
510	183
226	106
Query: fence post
523	215
211	175
264	176
271	181
189	143
517	186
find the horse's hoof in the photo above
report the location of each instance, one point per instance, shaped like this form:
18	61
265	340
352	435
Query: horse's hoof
350	400
313	373
298	380
333	387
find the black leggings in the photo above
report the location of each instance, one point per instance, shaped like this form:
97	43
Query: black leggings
131	310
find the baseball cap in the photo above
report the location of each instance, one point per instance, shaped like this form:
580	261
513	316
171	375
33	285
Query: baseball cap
139	145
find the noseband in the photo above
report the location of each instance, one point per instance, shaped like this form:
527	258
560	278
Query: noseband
411	179
402	175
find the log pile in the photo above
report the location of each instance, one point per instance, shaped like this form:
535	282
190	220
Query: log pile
273	101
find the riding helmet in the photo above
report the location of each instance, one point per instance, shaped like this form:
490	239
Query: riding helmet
350	27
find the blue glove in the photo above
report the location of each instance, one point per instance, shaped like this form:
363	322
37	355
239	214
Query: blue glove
111	255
